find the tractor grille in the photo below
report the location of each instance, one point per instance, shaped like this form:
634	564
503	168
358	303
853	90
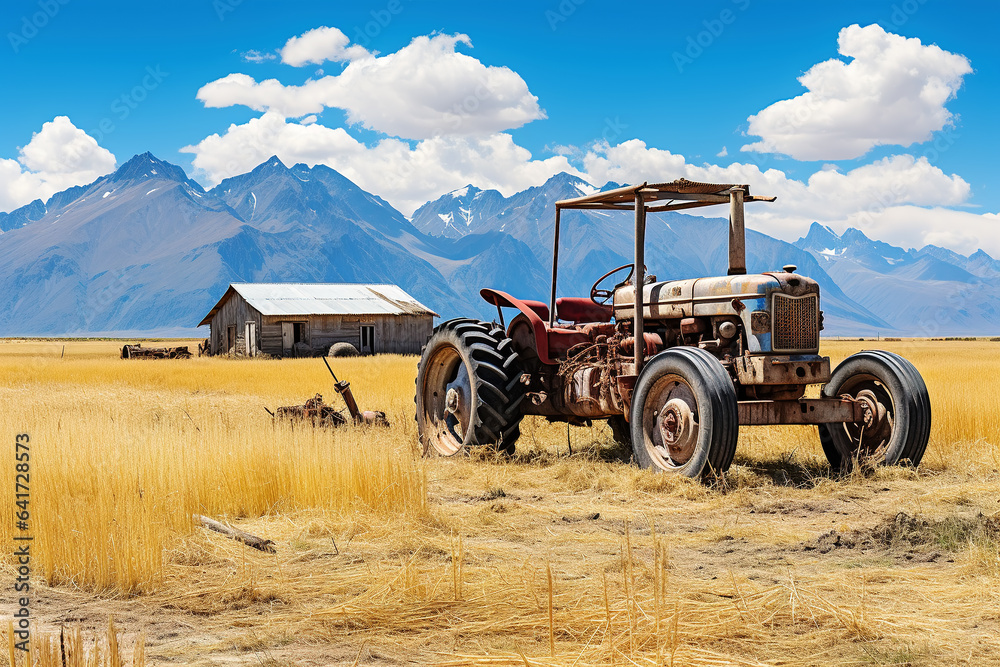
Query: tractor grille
794	323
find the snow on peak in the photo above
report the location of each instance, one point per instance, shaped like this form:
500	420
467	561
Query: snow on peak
461	192
585	188
466	215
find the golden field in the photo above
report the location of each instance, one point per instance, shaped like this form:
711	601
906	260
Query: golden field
553	557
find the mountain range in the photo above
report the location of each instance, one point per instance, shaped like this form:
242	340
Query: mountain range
146	250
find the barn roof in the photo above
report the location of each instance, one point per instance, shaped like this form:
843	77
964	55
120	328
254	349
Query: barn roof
323	299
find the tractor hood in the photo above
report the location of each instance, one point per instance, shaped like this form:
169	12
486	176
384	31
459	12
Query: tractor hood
739	296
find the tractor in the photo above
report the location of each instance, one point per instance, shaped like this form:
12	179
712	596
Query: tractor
675	367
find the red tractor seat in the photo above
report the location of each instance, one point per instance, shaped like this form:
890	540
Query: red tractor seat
581	309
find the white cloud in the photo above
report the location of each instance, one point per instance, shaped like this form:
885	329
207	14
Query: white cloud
404	175
893	92
454	110
253	56
58	156
914	226
320	45
426	89
899	199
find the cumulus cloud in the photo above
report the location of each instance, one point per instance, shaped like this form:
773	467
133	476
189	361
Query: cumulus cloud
405	175
445	114
892	92
320	45
59	156
426	89
899	199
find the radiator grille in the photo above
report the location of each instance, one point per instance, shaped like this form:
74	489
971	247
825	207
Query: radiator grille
795	323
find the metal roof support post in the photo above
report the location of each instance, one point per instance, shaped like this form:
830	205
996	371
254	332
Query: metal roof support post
555	271
737	234
639	276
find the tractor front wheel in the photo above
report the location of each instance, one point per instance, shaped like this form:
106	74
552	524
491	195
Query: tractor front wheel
897	421
468	389
684	417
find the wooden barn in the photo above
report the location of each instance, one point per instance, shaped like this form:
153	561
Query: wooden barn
305	319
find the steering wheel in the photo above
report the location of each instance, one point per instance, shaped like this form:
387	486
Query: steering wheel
601	296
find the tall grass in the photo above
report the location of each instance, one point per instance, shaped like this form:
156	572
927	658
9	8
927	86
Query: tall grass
123	453
68	647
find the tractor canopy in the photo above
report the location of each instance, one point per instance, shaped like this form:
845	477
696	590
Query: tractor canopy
646	198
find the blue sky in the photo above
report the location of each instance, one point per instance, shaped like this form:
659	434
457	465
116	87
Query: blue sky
677	77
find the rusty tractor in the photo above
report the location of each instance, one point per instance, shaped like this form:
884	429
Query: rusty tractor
676	367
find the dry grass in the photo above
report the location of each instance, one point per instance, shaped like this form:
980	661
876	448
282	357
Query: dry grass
69	647
550	558
120	463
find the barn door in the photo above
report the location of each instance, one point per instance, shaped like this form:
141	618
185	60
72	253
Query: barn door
367	339
250	336
287	337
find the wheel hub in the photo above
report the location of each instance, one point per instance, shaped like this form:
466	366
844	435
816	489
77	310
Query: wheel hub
876	426
453	400
678	430
457	396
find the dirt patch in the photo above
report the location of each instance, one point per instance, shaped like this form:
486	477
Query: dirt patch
912	538
799	508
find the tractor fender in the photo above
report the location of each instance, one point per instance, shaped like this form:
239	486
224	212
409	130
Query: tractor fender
535	311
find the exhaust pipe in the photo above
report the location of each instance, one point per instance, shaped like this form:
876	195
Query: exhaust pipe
737	234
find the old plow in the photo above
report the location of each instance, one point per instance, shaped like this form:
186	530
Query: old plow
318	413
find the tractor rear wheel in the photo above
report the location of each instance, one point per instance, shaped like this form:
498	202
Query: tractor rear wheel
468	389
684	418
898	422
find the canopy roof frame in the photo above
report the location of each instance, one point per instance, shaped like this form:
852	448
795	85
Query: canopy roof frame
636	198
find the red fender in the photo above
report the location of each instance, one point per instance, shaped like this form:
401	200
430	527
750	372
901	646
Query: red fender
533	310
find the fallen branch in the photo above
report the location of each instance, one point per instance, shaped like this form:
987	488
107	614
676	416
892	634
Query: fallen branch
258	543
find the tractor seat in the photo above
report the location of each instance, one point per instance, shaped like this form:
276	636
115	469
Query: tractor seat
582	309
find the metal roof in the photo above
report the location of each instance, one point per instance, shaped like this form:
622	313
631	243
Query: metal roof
323	299
691	194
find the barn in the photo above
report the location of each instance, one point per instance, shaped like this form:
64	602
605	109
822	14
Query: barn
304	319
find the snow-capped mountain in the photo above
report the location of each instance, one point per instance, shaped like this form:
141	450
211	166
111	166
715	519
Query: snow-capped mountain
932	291
464	211
146	249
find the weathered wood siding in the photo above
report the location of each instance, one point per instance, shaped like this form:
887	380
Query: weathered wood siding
394	334
402	334
234	312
